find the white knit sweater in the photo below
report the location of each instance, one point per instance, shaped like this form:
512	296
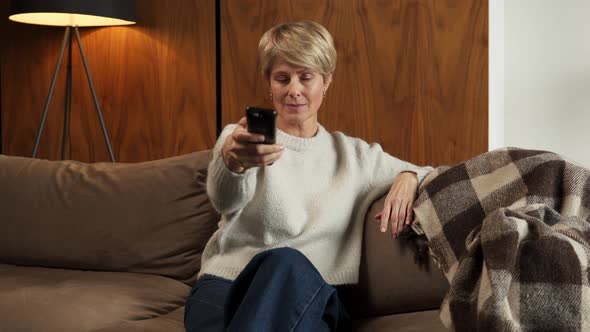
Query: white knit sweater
314	199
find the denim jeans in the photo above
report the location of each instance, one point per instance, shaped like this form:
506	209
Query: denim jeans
279	290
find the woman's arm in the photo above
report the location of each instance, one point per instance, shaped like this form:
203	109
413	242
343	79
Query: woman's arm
228	191
231	178
402	180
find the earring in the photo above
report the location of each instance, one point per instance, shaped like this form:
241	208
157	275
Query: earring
324	93
270	95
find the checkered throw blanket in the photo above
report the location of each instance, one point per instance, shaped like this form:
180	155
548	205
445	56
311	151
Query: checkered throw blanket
510	229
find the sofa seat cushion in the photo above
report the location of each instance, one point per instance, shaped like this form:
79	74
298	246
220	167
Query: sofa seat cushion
409	322
171	322
47	299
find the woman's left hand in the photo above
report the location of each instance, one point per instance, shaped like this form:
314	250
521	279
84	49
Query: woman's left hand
397	209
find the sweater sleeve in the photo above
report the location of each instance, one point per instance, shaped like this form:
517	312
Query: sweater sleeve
385	168
228	191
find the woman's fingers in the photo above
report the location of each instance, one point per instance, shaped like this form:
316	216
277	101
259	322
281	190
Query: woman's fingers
410	213
395	219
240	135
385	216
401	217
397	209
260	160
258	149
390	215
256	155
248	151
396	213
242	150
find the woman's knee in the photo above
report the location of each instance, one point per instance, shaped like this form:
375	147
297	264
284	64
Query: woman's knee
204	308
286	254
285	257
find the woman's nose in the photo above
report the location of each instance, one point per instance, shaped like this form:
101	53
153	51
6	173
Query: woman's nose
294	89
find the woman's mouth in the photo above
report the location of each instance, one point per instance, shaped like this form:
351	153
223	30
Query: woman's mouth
295	107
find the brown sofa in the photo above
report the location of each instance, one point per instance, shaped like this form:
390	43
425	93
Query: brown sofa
116	247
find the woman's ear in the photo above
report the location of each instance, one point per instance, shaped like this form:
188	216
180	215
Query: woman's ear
327	81
268	90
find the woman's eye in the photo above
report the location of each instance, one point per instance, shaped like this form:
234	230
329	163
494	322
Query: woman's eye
306	77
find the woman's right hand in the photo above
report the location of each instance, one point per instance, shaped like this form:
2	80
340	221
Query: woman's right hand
242	150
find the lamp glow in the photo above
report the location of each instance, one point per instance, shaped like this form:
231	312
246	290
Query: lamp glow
80	13
66	19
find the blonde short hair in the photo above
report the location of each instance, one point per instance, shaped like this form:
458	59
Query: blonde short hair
303	44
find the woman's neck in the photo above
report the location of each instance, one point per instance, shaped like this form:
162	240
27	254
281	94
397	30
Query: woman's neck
306	129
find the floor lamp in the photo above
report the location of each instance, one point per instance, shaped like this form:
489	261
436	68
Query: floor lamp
72	14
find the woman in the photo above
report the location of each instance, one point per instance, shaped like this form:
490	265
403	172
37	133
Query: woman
292	212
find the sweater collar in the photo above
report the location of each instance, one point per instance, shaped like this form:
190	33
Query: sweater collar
300	143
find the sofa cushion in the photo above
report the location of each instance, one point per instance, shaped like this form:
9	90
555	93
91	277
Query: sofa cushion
151	217
411	322
171	322
46	299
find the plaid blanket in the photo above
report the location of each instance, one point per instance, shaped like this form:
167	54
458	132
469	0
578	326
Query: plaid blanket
510	229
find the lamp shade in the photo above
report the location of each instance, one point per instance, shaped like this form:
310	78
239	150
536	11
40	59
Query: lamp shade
73	12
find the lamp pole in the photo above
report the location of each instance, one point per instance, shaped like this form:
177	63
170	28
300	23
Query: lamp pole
50	94
68	100
96	105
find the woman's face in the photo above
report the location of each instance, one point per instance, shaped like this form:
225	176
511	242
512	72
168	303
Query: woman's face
297	93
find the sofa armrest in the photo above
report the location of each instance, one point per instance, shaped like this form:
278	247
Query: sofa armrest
390	281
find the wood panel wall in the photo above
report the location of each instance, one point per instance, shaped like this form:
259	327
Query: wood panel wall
412	75
155	82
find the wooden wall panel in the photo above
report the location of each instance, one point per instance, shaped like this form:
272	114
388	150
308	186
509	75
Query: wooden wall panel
155	82
411	74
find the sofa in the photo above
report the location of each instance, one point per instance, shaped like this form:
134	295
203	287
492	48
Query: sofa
117	247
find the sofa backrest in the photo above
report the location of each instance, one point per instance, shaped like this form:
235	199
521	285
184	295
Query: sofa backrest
151	217
155	217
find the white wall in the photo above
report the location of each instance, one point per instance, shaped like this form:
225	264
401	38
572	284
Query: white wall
496	75
545	74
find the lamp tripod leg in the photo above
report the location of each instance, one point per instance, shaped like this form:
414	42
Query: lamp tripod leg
96	105
50	94
68	99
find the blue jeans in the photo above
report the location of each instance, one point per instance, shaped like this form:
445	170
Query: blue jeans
279	290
